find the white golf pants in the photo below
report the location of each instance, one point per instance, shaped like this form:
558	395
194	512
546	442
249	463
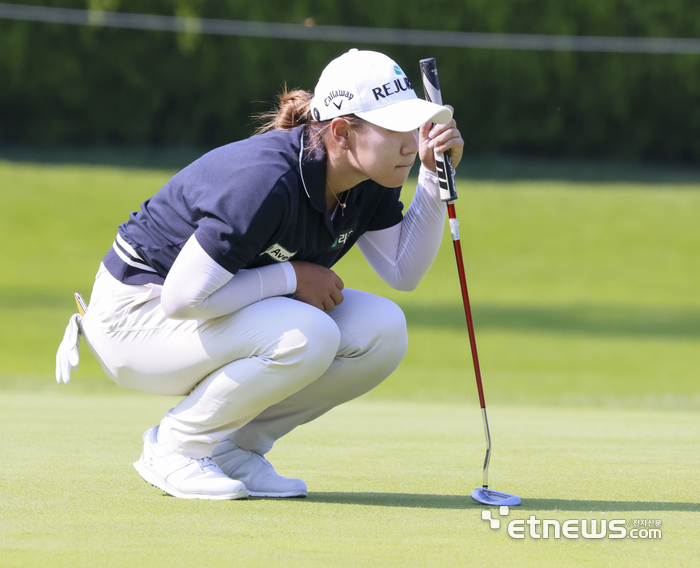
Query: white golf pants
253	375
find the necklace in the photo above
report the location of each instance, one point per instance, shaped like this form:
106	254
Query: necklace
343	204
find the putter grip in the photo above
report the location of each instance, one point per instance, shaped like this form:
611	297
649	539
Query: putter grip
443	161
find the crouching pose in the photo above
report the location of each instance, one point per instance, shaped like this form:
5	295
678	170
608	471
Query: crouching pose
220	289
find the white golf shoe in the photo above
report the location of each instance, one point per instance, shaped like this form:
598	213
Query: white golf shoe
184	477
258	475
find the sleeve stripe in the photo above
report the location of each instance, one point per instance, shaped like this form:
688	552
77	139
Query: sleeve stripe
140	265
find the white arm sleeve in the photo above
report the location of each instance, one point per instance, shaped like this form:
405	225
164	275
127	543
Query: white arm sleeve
199	288
402	254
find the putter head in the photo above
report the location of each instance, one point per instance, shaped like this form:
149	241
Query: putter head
490	497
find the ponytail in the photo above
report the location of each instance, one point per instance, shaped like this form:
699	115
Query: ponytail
294	109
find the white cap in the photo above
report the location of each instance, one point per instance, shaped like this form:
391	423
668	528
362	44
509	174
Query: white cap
373	87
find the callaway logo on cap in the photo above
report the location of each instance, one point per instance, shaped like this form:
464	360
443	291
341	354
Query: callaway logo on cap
373	87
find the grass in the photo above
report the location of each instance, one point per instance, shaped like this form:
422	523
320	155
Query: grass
393	499
586	300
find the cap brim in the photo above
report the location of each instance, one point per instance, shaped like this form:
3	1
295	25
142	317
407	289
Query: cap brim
407	115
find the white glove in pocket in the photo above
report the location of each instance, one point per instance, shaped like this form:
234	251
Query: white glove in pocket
68	354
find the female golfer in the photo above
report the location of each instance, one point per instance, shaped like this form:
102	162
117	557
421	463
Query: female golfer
220	288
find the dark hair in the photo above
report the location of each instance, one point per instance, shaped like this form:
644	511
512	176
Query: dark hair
294	109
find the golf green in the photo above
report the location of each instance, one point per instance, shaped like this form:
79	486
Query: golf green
389	485
586	301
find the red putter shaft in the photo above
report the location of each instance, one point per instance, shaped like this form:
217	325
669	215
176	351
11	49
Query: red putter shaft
465	296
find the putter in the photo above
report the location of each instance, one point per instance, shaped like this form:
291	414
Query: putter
448	194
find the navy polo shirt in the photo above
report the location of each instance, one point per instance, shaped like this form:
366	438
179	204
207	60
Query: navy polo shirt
251	203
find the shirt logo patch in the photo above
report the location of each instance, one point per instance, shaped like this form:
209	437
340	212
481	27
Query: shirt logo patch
342	239
279	253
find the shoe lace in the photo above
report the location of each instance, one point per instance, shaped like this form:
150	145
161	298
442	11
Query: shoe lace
206	464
